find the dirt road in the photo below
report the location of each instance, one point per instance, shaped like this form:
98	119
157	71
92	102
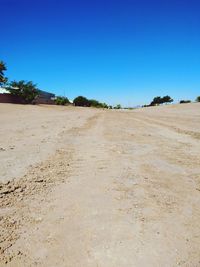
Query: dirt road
121	189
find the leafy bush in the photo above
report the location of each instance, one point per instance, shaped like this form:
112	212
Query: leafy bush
81	101
84	102
185	101
198	99
96	104
146	106
118	106
61	100
104	105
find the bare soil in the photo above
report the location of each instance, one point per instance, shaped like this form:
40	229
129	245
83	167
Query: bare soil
87	187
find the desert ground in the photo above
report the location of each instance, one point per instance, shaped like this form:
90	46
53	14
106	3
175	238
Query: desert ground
82	187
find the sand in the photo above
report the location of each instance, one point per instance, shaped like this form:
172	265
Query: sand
88	187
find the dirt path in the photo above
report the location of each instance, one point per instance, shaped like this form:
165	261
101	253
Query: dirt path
123	190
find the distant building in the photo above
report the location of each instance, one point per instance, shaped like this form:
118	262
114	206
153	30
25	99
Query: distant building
42	98
45	98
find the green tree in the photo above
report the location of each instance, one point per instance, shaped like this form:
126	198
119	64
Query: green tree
81	101
161	100
156	101
3	68
167	99
198	99
27	90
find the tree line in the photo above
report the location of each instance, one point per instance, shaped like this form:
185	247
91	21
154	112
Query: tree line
158	100
28	91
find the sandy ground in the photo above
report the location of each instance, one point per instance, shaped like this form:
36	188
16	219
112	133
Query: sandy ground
105	188
29	134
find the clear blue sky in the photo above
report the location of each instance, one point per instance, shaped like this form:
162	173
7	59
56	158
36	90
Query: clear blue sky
117	51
